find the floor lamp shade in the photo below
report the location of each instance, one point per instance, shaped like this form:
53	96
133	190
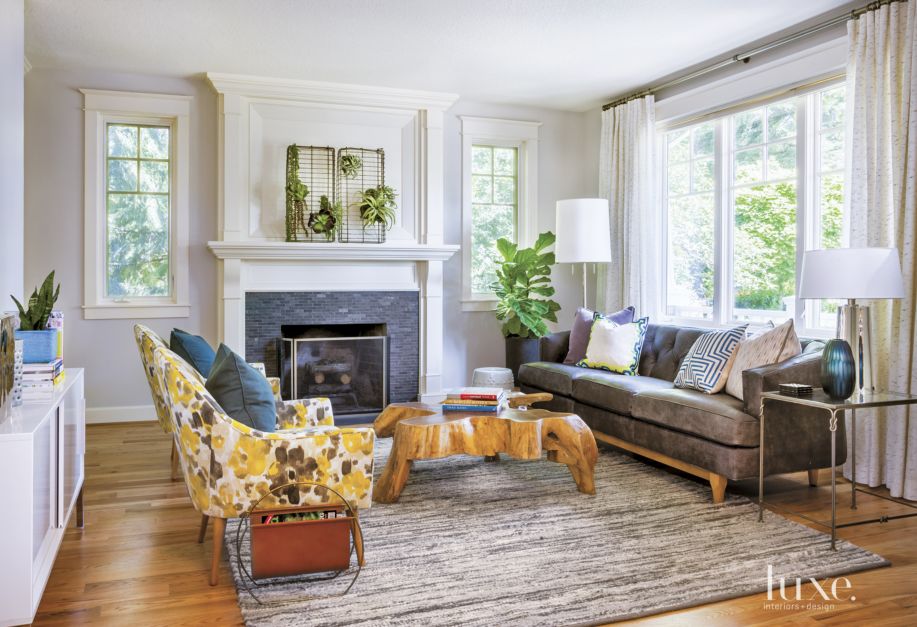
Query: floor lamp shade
583	235
853	274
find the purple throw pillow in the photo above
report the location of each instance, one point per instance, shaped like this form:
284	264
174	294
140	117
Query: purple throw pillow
582	327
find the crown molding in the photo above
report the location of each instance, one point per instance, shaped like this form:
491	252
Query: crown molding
342	94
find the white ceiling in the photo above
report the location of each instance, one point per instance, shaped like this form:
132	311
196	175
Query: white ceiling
563	54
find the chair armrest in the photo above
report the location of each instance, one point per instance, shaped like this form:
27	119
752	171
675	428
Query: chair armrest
250	462
302	413
804	368
275	388
554	346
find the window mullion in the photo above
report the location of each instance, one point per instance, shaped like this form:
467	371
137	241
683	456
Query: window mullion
722	231
806	204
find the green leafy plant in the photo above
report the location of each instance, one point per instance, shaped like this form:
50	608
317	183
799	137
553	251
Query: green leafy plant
350	165
523	289
40	304
296	195
326	218
377	206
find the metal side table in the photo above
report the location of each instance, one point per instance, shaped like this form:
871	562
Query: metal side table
834	408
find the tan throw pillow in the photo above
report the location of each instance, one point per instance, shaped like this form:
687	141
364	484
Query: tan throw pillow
771	347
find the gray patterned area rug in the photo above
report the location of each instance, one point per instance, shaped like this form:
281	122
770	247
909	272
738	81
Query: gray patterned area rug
514	543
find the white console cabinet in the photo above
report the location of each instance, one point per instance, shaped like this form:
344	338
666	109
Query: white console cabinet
42	446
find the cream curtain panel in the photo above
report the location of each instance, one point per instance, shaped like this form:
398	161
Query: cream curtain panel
627	178
882	196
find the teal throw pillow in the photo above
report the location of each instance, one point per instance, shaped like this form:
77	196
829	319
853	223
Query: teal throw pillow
193	349
243	392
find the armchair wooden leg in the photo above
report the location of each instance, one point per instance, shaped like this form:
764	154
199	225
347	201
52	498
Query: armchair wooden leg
357	538
813	476
203	532
219	528
174	471
718	486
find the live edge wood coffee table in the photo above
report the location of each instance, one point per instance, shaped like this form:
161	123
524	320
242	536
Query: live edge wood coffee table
426	432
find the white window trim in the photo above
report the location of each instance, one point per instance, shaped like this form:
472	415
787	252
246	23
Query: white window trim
102	107
805	209
497	132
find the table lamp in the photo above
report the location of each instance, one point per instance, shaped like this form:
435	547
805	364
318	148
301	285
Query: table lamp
583	234
853	274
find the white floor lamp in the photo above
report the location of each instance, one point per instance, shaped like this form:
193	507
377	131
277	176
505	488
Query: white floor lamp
583	235
854	274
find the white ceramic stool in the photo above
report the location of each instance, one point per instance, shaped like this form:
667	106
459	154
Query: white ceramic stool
493	378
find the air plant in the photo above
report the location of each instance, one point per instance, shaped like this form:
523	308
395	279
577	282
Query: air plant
326	218
350	166
377	206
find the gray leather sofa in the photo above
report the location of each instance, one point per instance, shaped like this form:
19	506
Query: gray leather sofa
716	436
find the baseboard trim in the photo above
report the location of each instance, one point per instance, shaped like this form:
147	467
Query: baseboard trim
130	413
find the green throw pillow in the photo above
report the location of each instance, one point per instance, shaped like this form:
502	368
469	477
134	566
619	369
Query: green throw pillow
193	349
243	392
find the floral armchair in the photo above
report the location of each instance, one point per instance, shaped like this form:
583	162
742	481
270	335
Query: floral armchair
147	341
228	466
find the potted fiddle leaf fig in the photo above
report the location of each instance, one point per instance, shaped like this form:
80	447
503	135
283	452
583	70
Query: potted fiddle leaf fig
523	291
39	342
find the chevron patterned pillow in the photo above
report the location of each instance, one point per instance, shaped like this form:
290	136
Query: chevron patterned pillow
706	366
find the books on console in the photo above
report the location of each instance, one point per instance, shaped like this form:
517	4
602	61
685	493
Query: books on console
39	380
482	399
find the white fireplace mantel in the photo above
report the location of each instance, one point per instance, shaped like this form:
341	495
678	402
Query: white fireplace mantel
287	251
259	117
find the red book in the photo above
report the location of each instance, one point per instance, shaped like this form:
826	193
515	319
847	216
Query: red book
477	394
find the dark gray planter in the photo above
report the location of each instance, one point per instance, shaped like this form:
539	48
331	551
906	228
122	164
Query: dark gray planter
521	350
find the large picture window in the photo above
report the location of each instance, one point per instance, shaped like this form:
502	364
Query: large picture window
745	193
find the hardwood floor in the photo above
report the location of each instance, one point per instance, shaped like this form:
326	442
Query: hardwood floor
137	562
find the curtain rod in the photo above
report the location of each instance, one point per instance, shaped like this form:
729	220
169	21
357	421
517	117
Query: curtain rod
745	57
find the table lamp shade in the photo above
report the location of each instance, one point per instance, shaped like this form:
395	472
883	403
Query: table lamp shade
582	231
851	273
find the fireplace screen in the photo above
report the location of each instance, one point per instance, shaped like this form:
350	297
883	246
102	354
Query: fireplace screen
351	371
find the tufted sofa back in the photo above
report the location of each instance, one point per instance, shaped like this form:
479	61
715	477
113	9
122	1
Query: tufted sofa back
664	348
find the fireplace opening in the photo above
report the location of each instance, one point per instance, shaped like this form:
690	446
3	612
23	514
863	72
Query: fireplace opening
348	363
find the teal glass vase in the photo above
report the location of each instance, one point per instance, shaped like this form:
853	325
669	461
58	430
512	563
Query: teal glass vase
838	370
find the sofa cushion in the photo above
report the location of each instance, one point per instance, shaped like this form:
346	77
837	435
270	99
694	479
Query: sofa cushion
715	417
582	326
771	347
550	377
706	366
615	347
664	347
613	391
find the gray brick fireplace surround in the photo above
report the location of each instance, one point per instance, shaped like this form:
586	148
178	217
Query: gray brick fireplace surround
265	312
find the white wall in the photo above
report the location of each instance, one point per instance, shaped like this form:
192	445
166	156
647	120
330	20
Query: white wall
54	227
115	386
473	339
12	46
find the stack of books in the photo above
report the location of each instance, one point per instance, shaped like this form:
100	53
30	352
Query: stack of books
795	389
475	399
38	380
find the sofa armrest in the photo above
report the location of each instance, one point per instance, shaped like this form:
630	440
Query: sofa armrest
554	346
804	368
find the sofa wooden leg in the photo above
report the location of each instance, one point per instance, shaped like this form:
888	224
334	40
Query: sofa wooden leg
718	487
813	476
203	532
219	528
